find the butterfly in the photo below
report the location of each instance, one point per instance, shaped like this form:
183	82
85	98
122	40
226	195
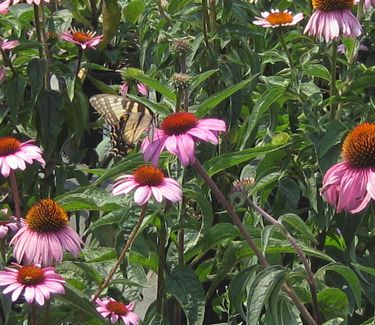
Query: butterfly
127	118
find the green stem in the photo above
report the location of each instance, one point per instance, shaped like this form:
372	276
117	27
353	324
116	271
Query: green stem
8	62
185	92
333	89
33	314
161	267
205	21
3	250
38	28
120	259
48	312
285	48
39	17
360	10
16	196
237	221
79	60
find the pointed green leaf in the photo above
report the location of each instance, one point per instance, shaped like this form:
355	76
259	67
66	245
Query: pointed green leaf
216	99
184	285
294	221
79	301
260	291
348	274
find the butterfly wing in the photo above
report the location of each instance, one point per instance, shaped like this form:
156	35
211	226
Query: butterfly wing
138	119
111	107
128	118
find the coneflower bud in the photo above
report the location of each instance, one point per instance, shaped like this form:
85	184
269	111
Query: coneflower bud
181	46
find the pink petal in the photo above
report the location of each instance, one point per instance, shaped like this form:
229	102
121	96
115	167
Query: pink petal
142	194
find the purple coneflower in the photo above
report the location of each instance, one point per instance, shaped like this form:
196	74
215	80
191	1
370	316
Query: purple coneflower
350	185
148	181
116	311
333	19
45	236
34	282
81	38
368	4
14	154
178	134
275	18
10	224
8	45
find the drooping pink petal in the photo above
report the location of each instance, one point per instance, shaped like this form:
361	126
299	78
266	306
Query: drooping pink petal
142	194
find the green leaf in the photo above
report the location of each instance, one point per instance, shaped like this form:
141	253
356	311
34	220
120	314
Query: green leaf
184	285
215	235
335	131
152	83
348	274
36	69
216	99
196	193
100	85
130	163
369	270
287	313
333	303
235	158
156	108
298	224
196	81
91	199
237	287
79	301
111	13
133	10
261	289
271	95
339	321
318	70
51	118
14	95
70	81
365	80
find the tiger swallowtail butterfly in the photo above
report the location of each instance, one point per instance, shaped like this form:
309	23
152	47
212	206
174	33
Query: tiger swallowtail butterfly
128	120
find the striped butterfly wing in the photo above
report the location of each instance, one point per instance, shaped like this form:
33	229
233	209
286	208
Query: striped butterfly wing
111	107
128	119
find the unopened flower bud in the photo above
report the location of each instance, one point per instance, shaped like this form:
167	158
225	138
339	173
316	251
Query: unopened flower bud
181	46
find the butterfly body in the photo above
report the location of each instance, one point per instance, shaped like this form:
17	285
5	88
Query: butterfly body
127	118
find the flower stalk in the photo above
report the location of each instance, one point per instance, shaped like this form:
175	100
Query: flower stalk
39	18
8	62
236	220
79	60
333	89
120	259
16	197
162	240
